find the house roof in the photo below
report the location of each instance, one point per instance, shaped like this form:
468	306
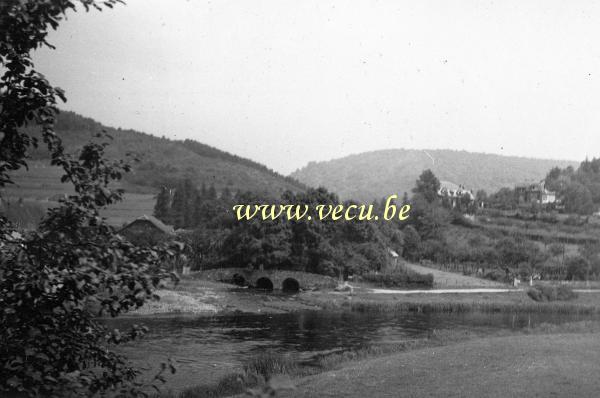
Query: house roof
449	185
539	186
452	189
167	229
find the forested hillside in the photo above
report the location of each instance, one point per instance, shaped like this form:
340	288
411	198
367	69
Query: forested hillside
163	161
378	174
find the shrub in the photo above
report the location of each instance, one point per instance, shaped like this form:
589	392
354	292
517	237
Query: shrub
577	268
575	220
496	275
460	220
232	384
270	363
399	279
556	249
551	293
548	218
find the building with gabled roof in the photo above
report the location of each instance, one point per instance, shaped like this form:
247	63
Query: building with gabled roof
535	192
147	229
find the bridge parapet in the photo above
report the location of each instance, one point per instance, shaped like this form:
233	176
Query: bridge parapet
271	279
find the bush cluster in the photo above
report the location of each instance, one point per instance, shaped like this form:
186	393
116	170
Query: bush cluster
551	293
399	279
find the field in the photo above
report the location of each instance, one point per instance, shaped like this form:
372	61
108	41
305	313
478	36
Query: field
40	187
443	279
550	365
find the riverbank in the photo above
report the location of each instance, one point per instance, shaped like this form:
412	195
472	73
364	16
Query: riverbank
563	365
210	298
514	301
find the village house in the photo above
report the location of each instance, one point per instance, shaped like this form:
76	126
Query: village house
148	229
393	258
534	193
454	193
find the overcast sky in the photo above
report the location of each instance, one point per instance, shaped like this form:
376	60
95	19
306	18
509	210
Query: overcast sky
287	82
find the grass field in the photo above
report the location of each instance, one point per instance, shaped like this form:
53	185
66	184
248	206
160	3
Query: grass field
563	365
41	186
443	279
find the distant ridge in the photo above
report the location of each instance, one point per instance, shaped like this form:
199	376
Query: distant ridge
370	175
163	161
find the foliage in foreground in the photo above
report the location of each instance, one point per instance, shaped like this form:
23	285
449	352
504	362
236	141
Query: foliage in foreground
51	345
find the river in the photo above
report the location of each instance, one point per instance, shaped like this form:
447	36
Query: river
205	348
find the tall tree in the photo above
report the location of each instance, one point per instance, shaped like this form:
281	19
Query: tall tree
212	192
163	204
578	199
427	186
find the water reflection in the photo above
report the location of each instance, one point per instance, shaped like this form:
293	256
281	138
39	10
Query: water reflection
315	331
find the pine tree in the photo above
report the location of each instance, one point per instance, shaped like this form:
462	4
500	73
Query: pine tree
163	204
427	186
179	206
212	192
226	194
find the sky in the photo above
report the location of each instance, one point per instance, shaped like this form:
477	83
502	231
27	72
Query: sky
288	82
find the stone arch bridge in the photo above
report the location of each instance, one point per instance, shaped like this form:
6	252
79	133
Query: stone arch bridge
287	281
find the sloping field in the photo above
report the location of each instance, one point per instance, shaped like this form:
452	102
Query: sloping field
41	186
133	206
443	279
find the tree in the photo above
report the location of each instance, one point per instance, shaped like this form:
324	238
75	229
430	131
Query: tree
577	268
481	197
212	192
184	203
428	218
163	204
412	244
427	186
226	194
54	281
505	198
578	199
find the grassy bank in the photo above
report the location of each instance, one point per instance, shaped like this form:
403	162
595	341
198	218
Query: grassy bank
511	302
563	364
473	306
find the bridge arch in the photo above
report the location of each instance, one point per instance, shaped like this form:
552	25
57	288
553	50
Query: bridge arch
264	283
290	285
238	279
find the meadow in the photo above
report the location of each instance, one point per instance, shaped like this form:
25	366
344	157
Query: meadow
39	188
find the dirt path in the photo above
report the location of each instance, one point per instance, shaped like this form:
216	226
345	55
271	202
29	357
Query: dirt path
443	279
564	365
444	291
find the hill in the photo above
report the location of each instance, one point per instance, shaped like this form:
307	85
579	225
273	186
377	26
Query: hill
161	163
162	160
377	174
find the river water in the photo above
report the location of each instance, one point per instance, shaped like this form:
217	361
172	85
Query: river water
204	348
